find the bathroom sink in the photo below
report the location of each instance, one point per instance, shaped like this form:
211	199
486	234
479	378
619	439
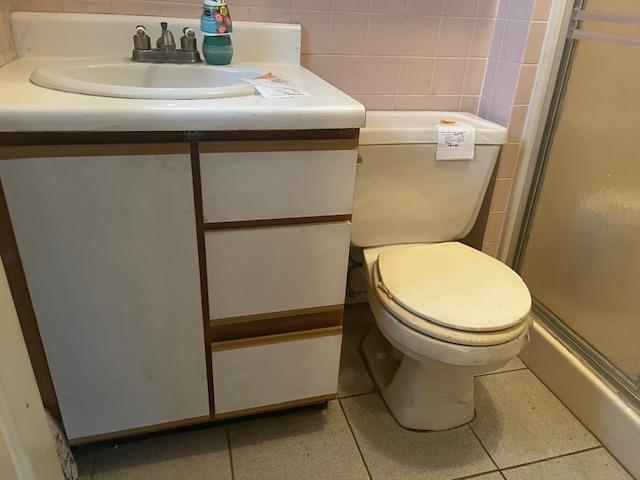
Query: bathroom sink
126	79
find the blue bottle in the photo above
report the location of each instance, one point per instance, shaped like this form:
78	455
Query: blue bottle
216	25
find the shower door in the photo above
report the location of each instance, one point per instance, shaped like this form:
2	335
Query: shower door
579	251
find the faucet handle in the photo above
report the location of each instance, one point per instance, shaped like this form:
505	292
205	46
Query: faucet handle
188	40
166	41
141	40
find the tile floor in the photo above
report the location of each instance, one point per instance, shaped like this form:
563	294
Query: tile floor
521	432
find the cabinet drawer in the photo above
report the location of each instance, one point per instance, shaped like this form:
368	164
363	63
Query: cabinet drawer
264	270
274	370
268	185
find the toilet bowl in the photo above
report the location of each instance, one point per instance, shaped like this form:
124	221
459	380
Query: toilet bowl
425	370
444	311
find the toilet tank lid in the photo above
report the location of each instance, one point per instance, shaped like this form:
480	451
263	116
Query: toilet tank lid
392	128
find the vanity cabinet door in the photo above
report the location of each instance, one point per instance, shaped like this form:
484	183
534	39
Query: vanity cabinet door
265	270
108	245
244	186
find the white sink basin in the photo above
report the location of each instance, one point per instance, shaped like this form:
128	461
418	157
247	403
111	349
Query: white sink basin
126	79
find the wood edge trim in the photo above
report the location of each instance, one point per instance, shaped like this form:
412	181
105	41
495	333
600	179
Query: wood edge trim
132	432
202	267
276	222
191	422
274	315
278	406
171	136
294	145
92	150
277	338
20	295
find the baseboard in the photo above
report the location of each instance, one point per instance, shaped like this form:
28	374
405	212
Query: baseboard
590	399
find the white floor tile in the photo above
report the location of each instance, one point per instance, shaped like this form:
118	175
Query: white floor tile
518	420
592	465
395	453
305	445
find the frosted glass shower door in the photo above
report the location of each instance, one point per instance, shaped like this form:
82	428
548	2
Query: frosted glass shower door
581	258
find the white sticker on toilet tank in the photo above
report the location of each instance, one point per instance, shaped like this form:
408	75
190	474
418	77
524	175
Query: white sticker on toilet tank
456	142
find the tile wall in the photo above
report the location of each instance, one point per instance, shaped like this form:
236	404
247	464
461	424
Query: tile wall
471	55
6	44
405	54
519	32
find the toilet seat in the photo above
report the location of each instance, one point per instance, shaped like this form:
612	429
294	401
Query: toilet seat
453	293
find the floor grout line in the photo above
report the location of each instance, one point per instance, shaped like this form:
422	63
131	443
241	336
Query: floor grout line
233	473
364	462
542	460
476	475
353	395
500	372
495	464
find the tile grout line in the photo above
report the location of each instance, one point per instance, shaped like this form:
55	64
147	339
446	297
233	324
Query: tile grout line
233	474
500	372
354	395
495	464
477	475
364	462
555	457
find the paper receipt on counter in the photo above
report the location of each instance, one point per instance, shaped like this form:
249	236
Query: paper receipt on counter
270	86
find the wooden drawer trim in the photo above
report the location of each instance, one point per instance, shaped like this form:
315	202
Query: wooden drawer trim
279	145
60	138
265	324
276	222
122	149
278	406
277	338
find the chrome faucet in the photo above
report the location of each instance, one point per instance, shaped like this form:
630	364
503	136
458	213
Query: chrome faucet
166	51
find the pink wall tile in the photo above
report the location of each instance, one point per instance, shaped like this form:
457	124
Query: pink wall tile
455	37
381	74
517	121
421	36
350	5
449	76
316	29
469	104
501	192
386	34
425	7
509	157
413	102
415	76
541	10
377	102
268	14
526	80
481	38
87	6
348	33
35	5
388	6
494	227
474	76
460	8
445	102
310	4
487	8
534	42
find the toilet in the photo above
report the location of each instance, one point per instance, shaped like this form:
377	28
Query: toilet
444	311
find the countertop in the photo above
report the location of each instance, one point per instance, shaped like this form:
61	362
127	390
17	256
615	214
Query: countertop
25	107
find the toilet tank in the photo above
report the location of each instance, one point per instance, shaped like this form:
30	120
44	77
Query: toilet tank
404	195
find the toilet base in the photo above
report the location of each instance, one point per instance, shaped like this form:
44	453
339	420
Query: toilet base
426	395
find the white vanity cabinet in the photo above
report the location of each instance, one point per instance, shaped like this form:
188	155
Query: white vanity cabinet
108	246
180	283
